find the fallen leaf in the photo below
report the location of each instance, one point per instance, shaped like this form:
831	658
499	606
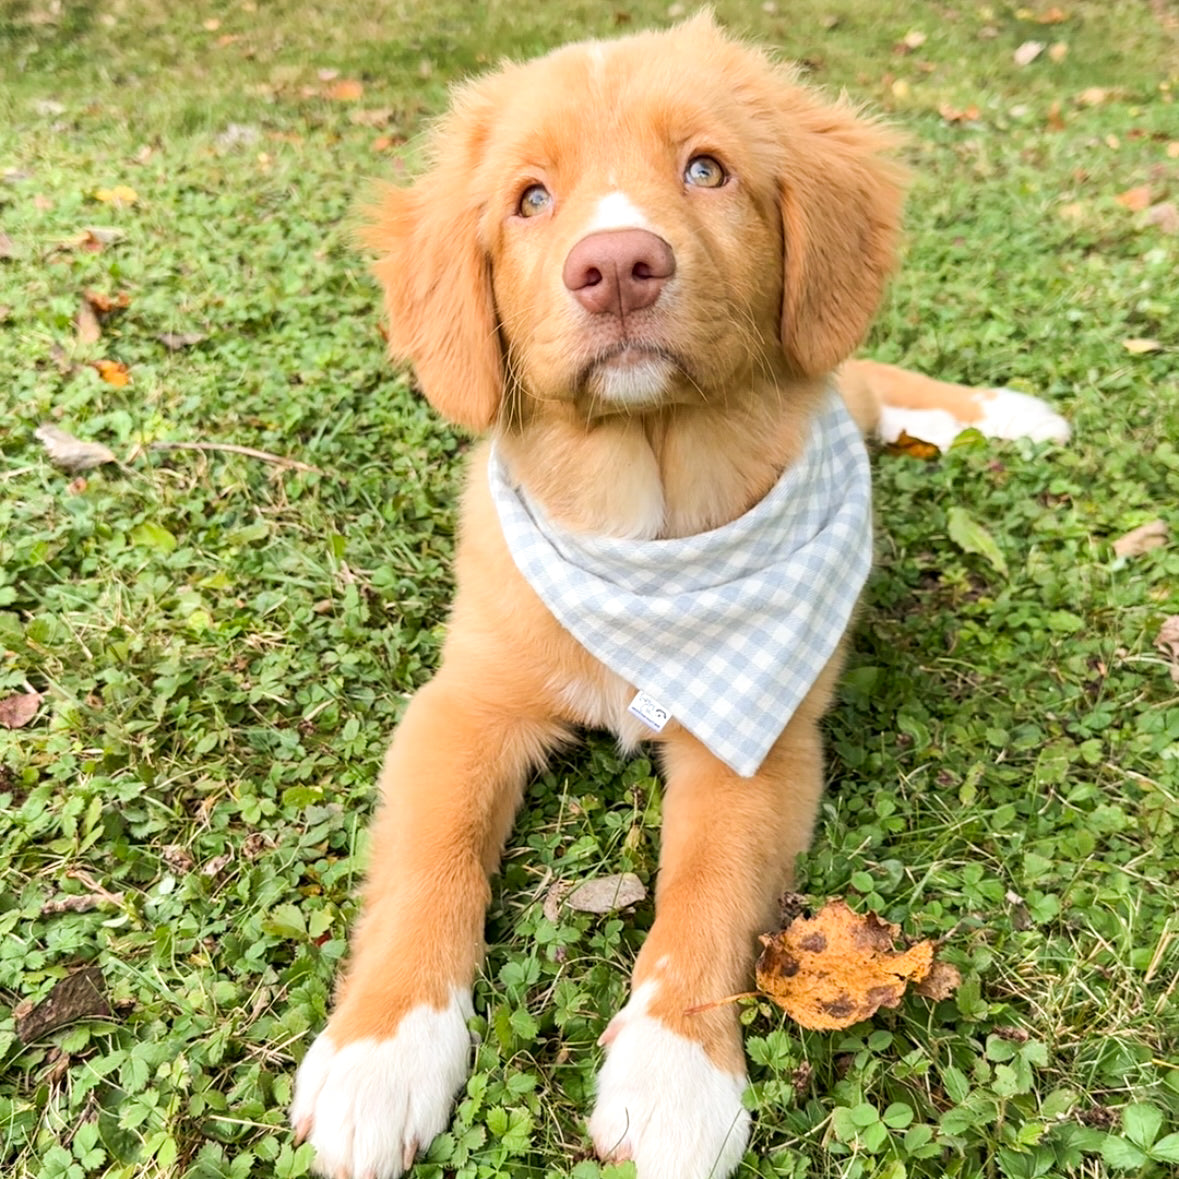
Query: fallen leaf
1053	16
1167	643
1164	216
121	194
607	894
1073	211
952	115
345	90
1093	96
17	711
70	453
1140	346
77	996
113	372
836	968
1058	51
940	983
86	324
214	866
970	536
79	902
1173	149
1055	119
906	444
1152	535
1027	53
1135	199
7	246
175	341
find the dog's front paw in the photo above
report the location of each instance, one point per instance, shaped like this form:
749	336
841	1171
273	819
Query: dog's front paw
369	1106
664	1105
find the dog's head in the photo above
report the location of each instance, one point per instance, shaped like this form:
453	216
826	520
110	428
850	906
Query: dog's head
629	224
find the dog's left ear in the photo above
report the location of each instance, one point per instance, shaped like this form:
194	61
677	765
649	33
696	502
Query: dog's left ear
841	195
436	276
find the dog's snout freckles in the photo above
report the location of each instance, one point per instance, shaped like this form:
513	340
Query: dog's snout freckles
618	272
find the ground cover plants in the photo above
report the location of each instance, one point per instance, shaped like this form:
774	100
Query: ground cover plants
222	643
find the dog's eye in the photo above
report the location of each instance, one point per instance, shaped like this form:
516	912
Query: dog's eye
535	199
704	172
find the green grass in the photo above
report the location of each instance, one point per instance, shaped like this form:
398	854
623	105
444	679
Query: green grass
225	645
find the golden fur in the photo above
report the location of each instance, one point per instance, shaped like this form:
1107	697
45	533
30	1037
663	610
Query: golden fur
778	274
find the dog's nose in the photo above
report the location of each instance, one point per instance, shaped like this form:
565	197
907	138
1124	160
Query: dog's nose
618	271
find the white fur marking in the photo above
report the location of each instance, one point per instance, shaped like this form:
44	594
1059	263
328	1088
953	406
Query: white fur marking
616	211
635	383
1006	414
663	1104
370	1105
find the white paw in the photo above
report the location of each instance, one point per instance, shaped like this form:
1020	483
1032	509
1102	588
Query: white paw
663	1104
1008	414
369	1107
1005	414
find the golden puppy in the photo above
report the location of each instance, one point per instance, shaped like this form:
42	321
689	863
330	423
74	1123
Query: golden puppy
637	266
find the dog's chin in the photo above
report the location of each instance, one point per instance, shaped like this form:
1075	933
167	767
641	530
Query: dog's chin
632	380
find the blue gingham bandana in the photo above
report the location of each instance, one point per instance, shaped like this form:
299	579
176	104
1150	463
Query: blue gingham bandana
727	630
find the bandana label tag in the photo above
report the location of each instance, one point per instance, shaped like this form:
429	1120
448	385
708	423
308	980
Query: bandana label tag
650	712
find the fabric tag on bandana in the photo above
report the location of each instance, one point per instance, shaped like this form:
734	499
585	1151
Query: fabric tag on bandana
650	712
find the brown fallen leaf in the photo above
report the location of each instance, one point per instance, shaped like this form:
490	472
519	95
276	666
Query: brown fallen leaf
1164	216
345	90
70	453
77	996
86	322
607	894
837	968
1052	16
940	983
175	341
7	246
103	304
79	902
905	443
1167	643
1027	53
1135	199
113	372
952	114
17	711
1142	539
1141	346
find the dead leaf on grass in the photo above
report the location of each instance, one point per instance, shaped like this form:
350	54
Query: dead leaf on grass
1140	346
917	448
1027	53
70	453
1167	643
1142	539
18	711
1135	199
7	246
837	968
78	996
345	90
175	341
1164	216
119	194
87	325
940	983
113	372
607	894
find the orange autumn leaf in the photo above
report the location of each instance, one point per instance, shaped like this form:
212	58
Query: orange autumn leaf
114	372
905	443
838	968
103	304
345	90
1135	199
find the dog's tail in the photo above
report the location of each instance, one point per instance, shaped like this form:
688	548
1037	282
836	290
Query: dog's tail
888	401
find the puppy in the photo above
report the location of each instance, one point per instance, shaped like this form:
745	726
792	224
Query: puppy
640	267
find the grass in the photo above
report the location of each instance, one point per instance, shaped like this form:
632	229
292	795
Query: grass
224	644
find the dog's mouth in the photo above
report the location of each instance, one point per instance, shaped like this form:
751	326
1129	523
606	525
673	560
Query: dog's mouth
630	375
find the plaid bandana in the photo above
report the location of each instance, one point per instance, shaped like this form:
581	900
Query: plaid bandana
725	631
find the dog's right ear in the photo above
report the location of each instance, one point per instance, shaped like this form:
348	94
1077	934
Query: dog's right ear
436	276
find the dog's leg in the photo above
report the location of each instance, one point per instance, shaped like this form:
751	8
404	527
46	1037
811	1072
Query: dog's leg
377	1084
887	400
669	1093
